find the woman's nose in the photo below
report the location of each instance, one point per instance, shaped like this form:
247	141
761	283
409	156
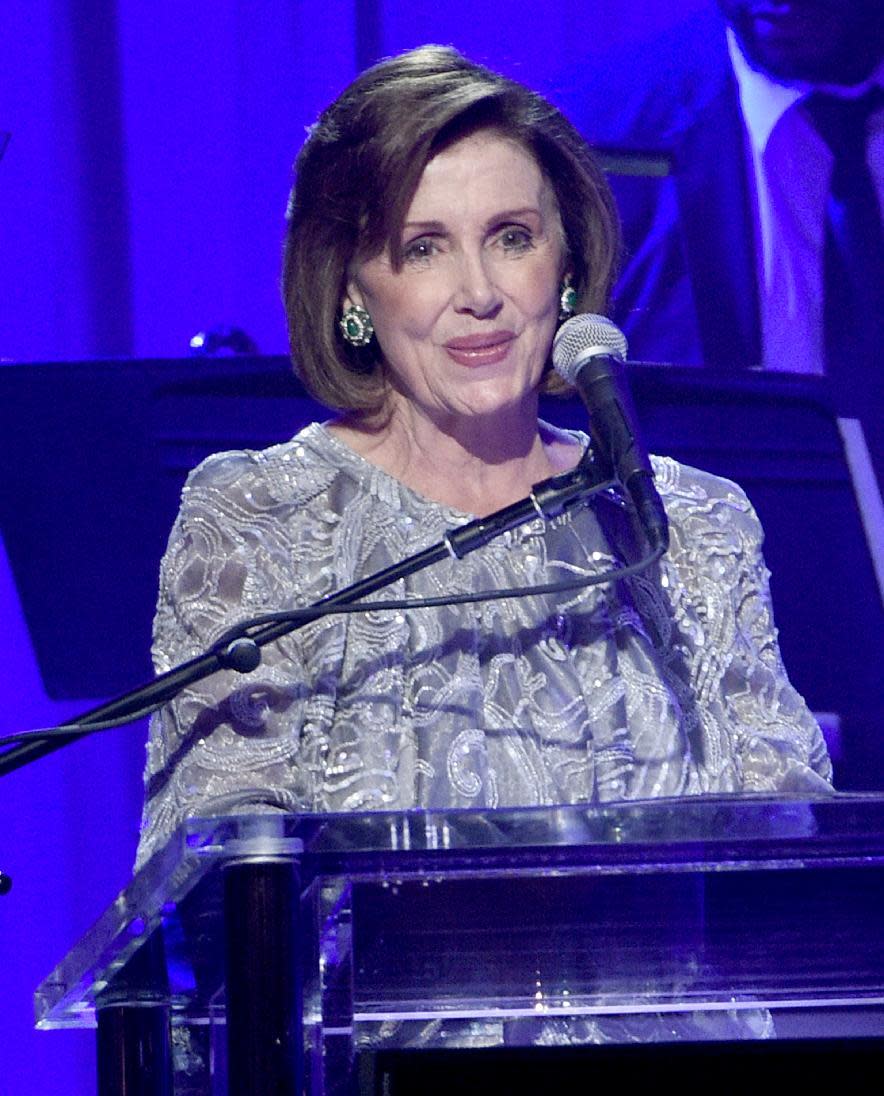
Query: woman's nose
477	291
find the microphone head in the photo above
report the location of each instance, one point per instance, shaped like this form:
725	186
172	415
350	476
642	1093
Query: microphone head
583	337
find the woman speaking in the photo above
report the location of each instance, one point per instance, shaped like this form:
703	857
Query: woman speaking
444	222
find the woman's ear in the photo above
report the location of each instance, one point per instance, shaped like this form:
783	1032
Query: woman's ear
352	296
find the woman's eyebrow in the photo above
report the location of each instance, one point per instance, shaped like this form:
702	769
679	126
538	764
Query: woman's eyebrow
509	214
424	226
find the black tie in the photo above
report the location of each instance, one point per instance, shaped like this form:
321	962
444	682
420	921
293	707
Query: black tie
853	277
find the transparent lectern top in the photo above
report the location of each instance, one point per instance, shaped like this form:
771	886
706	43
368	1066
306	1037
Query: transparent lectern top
696	835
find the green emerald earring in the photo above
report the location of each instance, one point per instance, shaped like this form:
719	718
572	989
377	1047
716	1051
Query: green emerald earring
356	325
567	299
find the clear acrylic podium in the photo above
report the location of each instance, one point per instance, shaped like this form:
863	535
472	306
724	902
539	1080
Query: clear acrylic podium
281	951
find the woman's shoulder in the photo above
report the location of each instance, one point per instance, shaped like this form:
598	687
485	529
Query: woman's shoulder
682	483
289	473
700	504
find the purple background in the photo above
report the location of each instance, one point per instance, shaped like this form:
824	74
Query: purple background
141	200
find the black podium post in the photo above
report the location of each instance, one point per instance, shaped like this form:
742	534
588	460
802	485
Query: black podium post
133	1051
132	1019
263	985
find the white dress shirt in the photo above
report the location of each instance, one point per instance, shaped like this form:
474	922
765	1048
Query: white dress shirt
792	167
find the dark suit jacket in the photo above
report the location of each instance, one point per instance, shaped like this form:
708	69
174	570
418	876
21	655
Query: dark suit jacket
688	291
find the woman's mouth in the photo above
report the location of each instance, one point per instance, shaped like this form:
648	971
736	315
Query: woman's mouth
487	349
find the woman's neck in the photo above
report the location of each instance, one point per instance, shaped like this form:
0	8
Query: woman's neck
475	465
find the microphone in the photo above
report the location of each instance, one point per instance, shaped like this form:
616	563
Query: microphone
588	352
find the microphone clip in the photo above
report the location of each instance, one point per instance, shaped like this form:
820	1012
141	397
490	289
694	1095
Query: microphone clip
553	496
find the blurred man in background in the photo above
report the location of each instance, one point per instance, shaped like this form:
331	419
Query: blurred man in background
763	247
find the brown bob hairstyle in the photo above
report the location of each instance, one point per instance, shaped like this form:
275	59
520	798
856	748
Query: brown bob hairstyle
357	174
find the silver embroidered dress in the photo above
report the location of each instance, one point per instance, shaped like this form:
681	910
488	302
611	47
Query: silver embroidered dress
669	683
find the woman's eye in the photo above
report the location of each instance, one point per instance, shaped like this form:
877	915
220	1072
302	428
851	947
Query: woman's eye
419	250
516	239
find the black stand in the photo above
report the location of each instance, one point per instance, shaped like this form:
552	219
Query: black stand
134	1057
262	987
133	1038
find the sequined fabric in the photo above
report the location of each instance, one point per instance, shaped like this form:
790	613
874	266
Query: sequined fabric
670	683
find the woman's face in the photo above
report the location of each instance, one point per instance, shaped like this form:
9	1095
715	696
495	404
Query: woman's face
466	323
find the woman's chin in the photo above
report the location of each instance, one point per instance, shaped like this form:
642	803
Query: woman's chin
499	398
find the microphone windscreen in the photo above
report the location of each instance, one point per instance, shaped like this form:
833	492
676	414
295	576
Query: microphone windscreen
582	337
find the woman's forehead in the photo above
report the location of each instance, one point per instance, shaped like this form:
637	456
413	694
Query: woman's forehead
487	168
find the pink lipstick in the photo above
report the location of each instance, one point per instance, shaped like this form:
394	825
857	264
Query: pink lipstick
485	349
